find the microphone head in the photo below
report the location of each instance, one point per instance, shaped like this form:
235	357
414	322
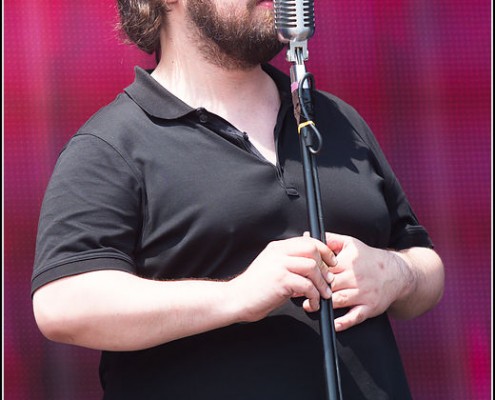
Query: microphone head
294	20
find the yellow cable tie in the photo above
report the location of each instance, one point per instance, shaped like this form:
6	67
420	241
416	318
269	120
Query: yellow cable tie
302	125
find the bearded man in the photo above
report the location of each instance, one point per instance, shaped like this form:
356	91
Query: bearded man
171	233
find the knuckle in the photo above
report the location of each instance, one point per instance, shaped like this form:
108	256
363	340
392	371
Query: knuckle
338	300
340	297
359	316
273	245
308	246
313	294
313	264
309	288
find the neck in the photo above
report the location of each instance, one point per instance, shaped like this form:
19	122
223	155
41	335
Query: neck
185	72
247	98
201	84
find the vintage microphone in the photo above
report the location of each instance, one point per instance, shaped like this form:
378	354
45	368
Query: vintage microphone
295	24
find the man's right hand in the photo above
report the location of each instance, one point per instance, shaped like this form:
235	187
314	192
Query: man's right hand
285	269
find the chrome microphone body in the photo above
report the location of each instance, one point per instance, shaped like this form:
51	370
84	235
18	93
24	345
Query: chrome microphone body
295	24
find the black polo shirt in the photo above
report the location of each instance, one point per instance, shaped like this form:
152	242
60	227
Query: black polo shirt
154	187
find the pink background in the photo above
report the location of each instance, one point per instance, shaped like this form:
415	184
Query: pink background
419	71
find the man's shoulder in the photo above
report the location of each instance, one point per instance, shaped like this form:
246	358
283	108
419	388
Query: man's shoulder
340	105
326	102
121	124
118	114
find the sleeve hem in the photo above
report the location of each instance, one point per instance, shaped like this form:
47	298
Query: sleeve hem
79	267
414	236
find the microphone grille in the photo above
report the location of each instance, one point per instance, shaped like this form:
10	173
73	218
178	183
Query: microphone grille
294	19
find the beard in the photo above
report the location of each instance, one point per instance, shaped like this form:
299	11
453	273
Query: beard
234	38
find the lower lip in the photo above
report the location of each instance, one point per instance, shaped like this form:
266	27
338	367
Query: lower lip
266	4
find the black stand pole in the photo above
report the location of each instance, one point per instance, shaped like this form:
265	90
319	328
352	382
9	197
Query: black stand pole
310	142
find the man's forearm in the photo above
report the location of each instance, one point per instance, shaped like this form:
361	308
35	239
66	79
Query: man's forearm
114	310
422	276
117	311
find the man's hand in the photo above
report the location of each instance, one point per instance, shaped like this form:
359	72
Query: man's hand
371	281
288	268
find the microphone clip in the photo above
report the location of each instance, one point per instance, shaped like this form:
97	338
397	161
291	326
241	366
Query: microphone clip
297	52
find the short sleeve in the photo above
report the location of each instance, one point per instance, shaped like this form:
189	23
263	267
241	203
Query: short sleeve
90	218
406	231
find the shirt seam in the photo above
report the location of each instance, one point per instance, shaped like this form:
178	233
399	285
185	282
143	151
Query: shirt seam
134	171
77	259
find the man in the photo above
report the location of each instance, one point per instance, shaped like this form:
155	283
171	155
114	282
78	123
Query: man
171	234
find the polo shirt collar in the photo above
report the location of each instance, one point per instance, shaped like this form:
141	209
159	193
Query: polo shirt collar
158	102
153	98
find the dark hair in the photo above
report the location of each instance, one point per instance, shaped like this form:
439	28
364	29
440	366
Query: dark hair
141	21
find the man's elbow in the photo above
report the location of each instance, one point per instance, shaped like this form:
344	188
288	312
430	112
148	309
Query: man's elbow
53	317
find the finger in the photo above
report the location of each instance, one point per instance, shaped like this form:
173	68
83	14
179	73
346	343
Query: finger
301	286
297	246
345	298
307	247
311	306
342	263
325	253
310	269
343	280
325	272
330	277
355	316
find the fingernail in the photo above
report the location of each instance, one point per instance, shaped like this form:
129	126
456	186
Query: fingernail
328	291
330	277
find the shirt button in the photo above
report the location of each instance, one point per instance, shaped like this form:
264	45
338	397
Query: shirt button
202	115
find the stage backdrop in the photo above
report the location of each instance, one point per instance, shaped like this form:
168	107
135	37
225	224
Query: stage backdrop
417	70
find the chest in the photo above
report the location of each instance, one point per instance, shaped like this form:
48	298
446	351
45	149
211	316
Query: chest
209	196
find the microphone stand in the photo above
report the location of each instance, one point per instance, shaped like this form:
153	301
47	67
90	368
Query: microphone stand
310	139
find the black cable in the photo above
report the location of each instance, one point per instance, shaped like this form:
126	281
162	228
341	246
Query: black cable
300	91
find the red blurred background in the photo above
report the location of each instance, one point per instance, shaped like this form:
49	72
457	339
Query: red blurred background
419	71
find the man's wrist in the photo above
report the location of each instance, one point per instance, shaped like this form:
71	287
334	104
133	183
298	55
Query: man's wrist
406	276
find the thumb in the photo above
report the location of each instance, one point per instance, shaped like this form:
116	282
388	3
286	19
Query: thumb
335	241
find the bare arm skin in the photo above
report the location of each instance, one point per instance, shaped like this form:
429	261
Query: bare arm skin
371	281
117	311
